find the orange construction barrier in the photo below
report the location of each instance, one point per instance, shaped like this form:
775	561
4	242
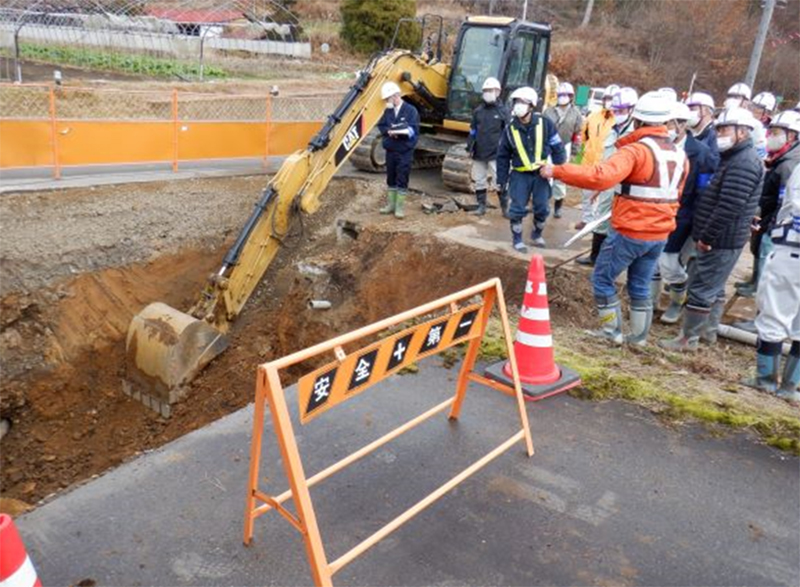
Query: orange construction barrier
16	568
533	345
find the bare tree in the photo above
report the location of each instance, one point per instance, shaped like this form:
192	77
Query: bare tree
587	16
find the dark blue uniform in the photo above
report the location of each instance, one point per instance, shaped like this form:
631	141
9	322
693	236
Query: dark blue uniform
399	149
524	186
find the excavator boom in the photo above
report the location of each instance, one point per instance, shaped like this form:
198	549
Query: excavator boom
166	348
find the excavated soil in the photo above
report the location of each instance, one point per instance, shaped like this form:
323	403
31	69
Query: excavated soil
76	265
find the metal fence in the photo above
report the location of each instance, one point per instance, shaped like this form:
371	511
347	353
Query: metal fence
56	126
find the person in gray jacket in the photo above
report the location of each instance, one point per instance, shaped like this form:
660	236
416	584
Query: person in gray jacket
569	122
721	227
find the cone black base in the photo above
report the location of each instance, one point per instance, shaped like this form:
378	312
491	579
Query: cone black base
532	393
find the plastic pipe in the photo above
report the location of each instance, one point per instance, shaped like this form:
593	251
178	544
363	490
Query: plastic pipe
319	304
744	337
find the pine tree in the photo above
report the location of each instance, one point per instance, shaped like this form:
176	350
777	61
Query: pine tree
368	25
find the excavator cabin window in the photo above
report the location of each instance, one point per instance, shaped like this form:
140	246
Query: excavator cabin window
479	55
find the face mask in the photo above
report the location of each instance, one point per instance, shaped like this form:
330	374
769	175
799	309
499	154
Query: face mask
776	142
733	103
621	119
694	118
562	100
673	134
389	104
520	109
725	143
489	97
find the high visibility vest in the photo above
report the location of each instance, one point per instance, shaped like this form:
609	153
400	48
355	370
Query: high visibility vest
527	165
662	188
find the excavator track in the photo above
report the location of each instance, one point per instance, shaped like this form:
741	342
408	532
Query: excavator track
370	156
457	169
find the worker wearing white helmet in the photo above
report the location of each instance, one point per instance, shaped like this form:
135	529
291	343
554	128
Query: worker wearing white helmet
669	93
738	96
488	121
524	147
596	140
399	127
778	298
622	106
720	228
701	120
762	106
783	156
569	122
679	248
647	173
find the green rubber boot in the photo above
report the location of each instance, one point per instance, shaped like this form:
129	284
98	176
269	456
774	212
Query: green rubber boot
391	202
693	324
399	203
768	361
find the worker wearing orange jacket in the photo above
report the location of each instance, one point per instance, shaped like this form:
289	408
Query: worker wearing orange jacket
651	171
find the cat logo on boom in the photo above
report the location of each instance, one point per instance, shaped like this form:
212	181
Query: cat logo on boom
350	140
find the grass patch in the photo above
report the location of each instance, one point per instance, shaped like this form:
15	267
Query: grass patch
132	63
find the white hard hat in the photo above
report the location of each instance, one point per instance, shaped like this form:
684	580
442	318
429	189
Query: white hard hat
610	91
740	89
680	111
491	83
737	117
389	89
766	100
654	107
525	94
670	93
701	99
788	120
624	98
565	88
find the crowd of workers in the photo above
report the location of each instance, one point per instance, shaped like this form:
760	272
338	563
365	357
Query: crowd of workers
673	191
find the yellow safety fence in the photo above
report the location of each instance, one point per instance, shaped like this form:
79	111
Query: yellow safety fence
56	127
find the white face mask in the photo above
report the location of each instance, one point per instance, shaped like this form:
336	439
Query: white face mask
562	100
389	104
621	119
725	143
733	103
520	109
694	118
673	134
776	142
489	97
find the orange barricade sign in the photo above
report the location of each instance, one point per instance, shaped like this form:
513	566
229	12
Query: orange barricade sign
461	319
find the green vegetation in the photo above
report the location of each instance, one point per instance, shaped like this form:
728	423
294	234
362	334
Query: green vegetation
368	25
133	63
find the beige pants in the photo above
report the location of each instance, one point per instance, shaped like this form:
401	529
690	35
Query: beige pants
484	174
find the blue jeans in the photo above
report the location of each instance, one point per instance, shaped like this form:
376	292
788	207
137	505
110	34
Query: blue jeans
524	187
619	253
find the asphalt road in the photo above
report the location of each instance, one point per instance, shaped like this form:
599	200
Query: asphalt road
611	497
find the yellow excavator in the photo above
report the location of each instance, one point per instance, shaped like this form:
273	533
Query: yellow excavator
166	348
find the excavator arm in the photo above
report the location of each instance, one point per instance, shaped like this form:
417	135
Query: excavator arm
167	348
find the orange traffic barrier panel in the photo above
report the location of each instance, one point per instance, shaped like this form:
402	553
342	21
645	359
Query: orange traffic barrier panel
533	346
459	318
16	568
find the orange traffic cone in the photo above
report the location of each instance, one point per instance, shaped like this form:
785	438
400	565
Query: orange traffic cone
533	346
16	567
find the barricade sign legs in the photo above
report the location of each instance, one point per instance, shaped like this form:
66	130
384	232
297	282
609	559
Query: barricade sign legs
464	321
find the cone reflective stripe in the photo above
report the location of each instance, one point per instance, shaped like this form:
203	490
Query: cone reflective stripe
16	568
533	345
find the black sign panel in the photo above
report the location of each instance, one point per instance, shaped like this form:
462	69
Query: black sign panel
350	140
434	337
323	385
399	351
465	324
363	369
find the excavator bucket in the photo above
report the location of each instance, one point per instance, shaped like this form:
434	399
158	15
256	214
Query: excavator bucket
165	350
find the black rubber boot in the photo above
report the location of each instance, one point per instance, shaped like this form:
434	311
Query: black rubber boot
480	196
597	243
557	208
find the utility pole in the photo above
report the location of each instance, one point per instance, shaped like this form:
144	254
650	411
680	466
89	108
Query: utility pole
758	46
588	14
525	10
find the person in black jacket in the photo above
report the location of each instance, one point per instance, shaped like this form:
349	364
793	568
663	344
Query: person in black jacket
721	227
672	263
701	123
488	121
399	127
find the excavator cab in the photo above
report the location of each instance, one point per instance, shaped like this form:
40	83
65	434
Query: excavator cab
513	51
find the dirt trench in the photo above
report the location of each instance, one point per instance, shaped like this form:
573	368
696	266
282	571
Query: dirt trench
63	343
